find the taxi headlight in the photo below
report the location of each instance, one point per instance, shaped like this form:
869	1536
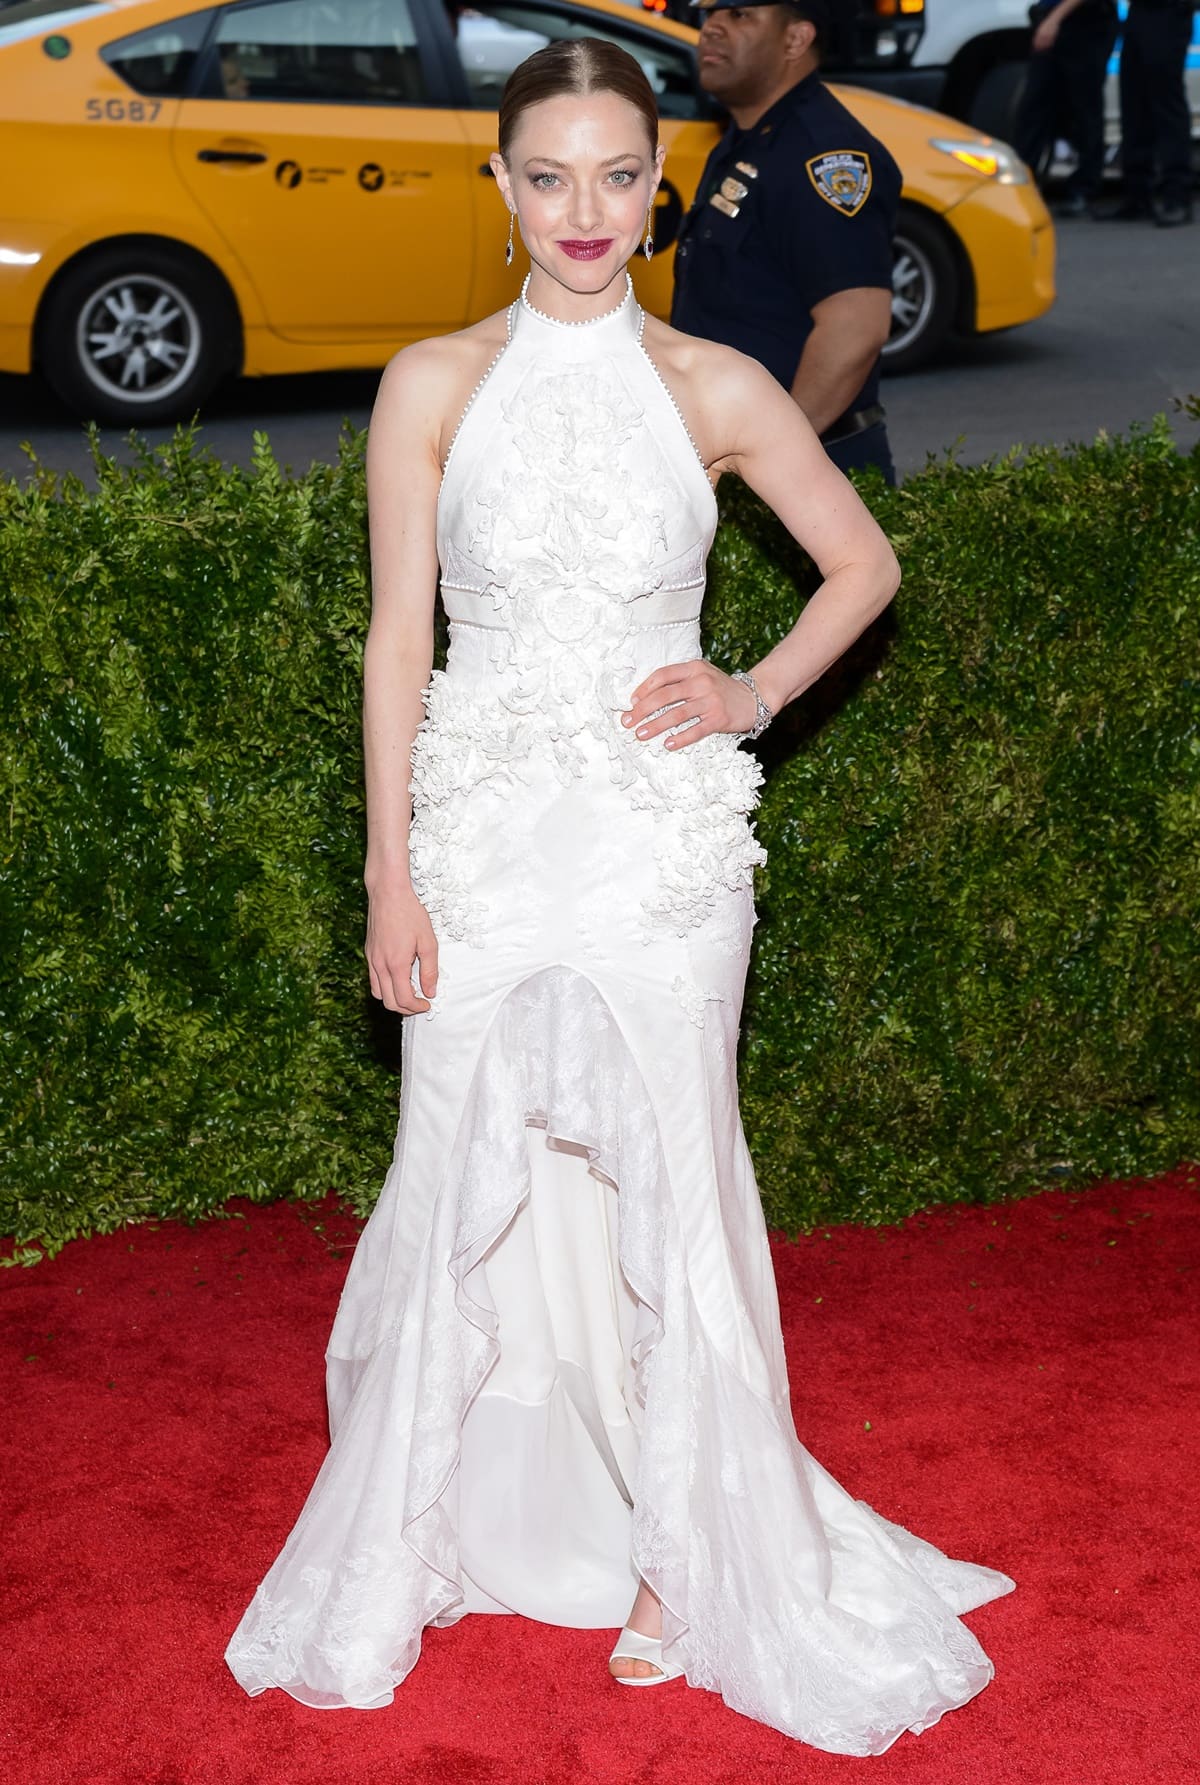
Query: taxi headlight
990	160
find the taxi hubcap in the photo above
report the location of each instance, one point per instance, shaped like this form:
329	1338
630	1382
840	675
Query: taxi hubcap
912	294
138	337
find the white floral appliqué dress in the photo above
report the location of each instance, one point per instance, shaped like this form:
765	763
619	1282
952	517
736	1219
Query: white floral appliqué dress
557	1362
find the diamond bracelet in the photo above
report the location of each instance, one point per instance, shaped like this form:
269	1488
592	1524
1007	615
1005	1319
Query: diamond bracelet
763	716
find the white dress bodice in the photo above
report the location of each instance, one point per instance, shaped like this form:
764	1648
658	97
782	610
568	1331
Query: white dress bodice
574	504
574	520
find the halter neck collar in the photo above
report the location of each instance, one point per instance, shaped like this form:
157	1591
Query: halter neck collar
624	317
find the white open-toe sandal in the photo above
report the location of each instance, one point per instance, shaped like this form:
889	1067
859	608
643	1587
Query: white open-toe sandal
633	1646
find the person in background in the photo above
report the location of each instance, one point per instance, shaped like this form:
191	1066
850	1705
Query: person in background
234	84
1156	119
1064	93
786	251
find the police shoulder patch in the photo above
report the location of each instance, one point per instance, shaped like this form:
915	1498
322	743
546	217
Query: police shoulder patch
843	178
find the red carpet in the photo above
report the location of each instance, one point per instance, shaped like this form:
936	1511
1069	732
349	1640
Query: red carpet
1016	1384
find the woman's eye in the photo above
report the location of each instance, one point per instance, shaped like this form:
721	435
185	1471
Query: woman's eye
544	181
624	176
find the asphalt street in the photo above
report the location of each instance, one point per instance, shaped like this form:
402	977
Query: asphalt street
1122	341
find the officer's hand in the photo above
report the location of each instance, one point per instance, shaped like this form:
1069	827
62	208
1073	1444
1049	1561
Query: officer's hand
696	695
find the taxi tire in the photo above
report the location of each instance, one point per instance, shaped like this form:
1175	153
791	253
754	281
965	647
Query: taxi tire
217	328
925	240
996	104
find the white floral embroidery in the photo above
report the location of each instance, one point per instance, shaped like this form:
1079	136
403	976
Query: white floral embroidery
733	1474
693	998
709	790
565	541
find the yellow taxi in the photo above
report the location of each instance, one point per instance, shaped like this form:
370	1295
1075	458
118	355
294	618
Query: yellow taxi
274	186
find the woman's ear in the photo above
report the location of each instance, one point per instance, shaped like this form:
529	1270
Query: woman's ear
660	156
503	178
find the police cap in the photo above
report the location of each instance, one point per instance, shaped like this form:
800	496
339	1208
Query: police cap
819	11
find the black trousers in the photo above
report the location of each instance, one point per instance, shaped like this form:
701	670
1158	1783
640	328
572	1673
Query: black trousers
871	447
1156	122
1064	96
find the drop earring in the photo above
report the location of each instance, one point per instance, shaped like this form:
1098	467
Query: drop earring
508	252
648	244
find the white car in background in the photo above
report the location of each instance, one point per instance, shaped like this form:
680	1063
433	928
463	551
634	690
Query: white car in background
970	62
965	58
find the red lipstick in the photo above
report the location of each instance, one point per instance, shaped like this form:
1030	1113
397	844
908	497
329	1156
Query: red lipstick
593	249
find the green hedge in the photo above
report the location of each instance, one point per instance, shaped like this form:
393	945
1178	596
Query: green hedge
976	967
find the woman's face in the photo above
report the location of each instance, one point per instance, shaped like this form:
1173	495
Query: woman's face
581	176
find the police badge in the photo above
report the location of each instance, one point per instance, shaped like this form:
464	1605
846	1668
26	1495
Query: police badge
843	179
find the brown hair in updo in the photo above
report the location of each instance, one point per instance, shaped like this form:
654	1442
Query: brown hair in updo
579	65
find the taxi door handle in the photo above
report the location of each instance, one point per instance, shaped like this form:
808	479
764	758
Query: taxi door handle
246	157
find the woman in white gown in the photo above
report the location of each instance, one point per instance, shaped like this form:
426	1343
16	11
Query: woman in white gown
556	1381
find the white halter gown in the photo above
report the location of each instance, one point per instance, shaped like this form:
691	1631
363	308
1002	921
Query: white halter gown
557	1361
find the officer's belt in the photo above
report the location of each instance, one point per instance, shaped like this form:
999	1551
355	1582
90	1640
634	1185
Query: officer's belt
856	421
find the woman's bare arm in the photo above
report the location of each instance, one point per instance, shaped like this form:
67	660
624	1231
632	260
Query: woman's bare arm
756	430
403	475
776	452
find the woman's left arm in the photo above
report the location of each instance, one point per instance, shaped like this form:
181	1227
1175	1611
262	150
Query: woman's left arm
769	443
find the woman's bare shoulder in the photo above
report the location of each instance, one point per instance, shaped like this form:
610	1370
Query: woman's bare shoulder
434	369
703	364
722	393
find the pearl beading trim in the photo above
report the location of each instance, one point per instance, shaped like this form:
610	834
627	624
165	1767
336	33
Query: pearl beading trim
508	335
638	626
670	396
584	322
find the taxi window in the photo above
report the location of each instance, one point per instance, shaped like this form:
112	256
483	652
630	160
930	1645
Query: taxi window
345	52
159	60
492	38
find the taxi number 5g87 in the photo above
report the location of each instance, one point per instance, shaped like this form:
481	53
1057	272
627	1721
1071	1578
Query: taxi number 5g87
123	111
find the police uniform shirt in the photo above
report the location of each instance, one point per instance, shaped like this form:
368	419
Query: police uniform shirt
798	207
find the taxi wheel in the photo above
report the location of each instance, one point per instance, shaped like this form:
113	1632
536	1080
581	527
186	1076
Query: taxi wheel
997	102
137	333
925	289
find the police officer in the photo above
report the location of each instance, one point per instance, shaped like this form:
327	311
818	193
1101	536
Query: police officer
786	251
1064	94
1156	119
